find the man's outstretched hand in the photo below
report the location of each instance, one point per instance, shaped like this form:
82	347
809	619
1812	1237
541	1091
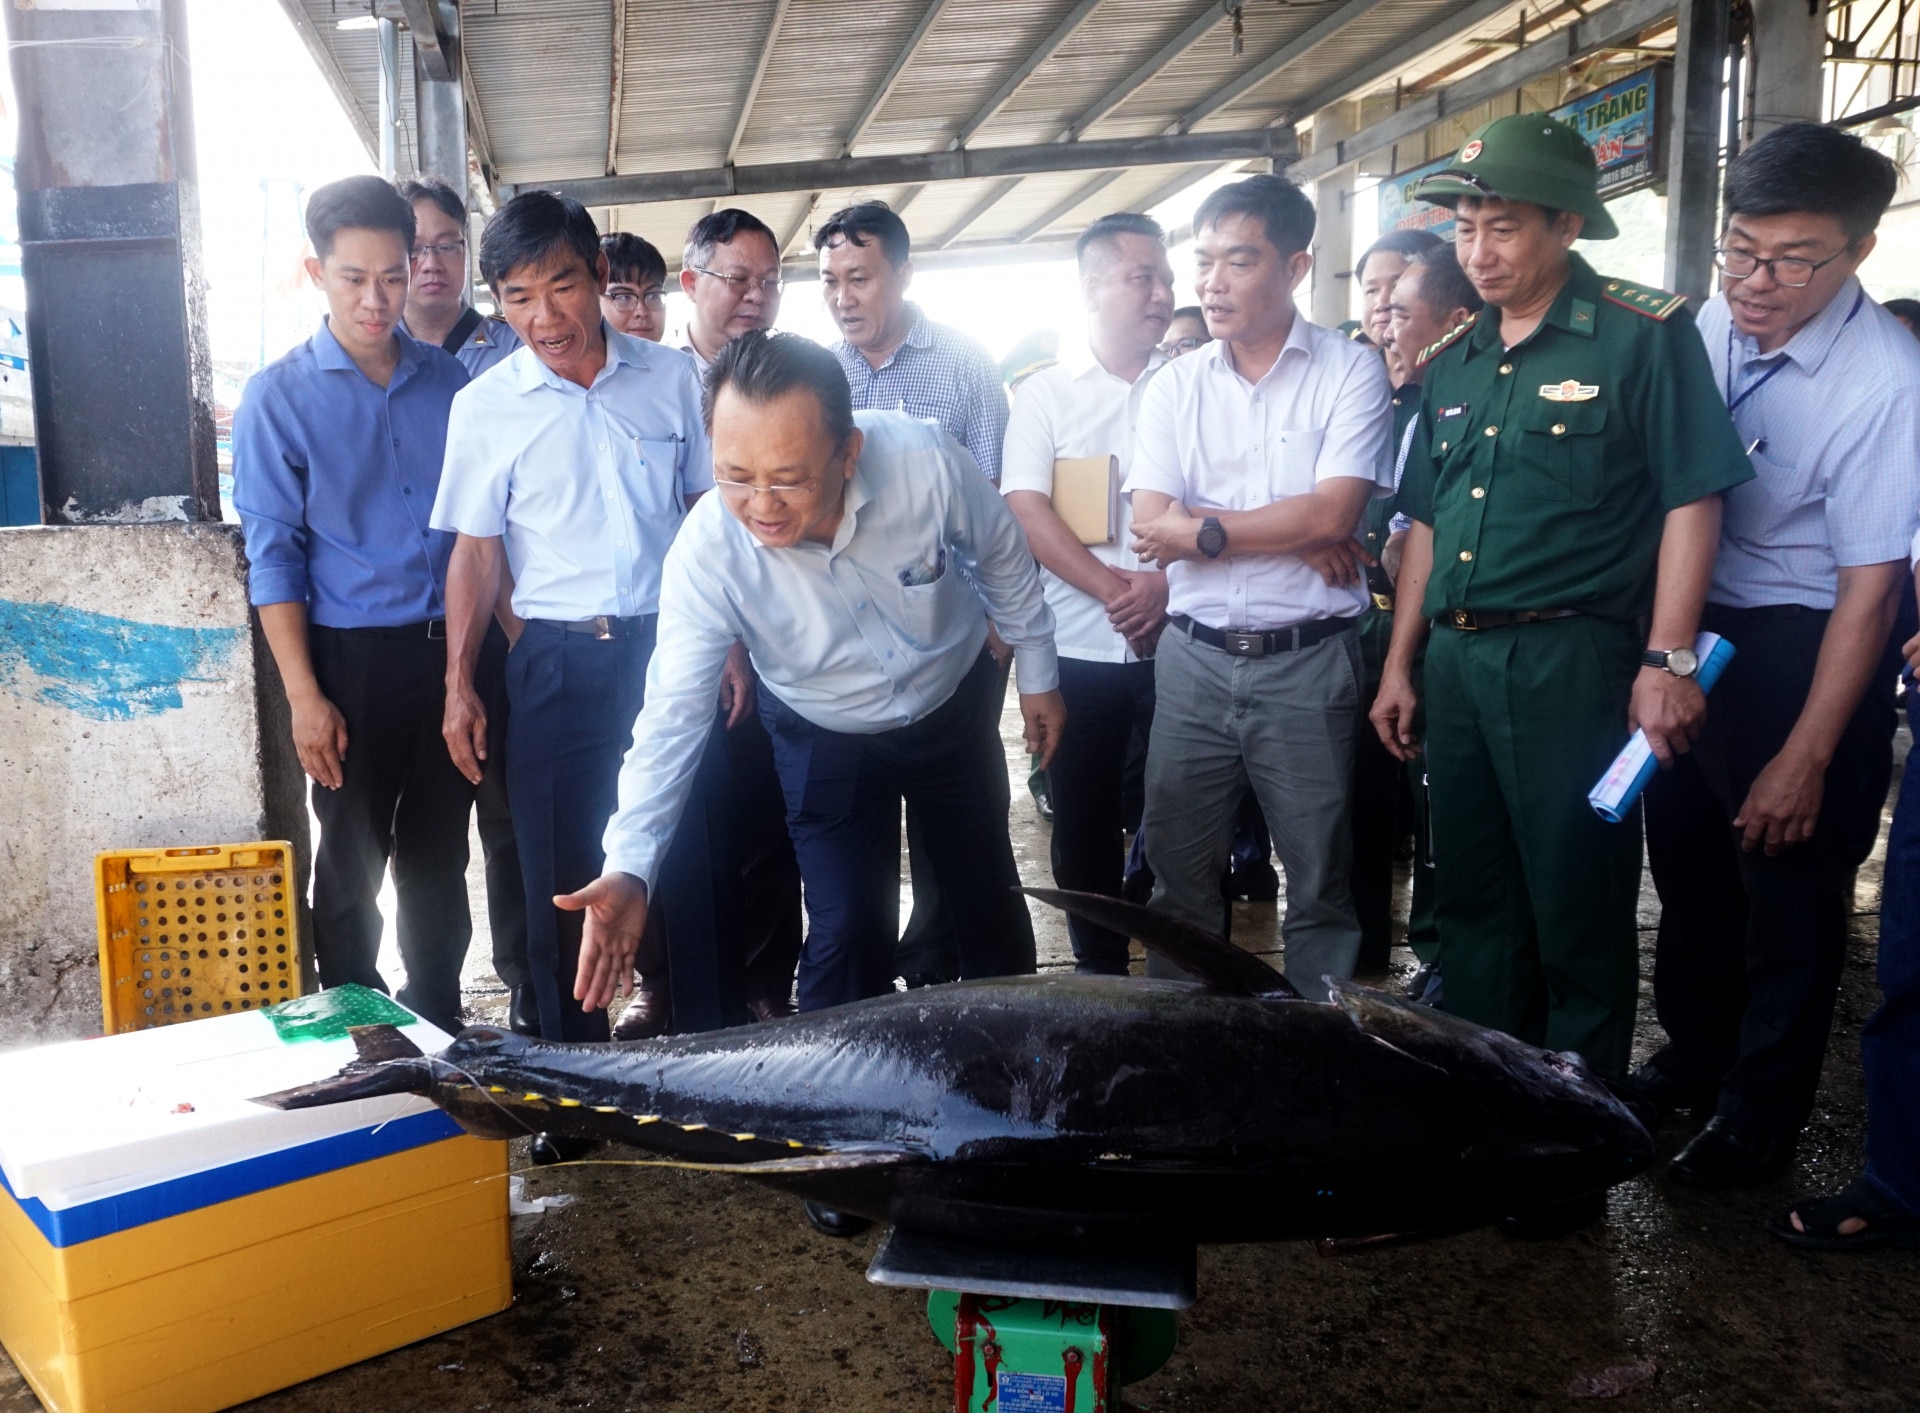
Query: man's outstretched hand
616	909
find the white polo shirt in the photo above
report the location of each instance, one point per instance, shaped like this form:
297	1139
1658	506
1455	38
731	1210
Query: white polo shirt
1213	441
1058	414
587	486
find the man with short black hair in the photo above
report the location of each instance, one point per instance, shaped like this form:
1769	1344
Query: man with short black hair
1262	446
1108	611
731	271
634	301
337	451
569	468
437	308
1754	835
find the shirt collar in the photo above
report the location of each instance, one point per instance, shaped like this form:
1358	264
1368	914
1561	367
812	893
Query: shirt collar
328	354
1815	340
531	373
1572	311
1298	340
1080	370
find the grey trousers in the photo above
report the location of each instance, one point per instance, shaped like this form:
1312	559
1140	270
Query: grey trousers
1283	723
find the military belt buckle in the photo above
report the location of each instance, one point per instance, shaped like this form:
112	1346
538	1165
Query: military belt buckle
1383	602
1464	621
602	627
1245	644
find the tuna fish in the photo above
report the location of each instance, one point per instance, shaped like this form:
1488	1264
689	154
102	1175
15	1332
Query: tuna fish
1073	1110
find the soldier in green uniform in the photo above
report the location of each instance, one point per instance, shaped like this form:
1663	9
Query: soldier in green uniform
1571	443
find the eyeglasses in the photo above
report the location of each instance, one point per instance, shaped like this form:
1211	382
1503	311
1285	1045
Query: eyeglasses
740	284
1175	347
625	299
1788	270
446	250
786	495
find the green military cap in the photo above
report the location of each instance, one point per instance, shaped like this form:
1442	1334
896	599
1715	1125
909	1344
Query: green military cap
1526	157
1040	349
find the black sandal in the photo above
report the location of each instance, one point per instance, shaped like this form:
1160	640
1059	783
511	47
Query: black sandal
1886	1224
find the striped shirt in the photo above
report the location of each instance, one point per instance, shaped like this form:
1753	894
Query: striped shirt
1832	423
940	375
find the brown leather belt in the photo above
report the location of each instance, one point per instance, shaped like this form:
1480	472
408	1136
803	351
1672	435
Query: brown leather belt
1468	621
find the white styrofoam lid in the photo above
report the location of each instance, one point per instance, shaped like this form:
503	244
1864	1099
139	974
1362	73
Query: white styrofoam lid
96	1118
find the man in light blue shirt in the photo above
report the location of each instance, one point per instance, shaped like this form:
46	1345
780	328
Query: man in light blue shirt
860	560
570	468
1754	835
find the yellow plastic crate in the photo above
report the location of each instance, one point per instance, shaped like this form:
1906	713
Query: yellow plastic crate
186	933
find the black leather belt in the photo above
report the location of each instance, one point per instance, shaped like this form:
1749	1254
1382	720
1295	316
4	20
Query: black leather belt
1274	640
1468	621
604	626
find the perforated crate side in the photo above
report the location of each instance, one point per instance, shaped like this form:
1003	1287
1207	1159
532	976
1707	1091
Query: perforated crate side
189	933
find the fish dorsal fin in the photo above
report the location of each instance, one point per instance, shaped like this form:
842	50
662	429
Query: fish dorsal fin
1220	965
377	1044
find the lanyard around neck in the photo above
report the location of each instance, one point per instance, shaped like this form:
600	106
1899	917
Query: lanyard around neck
1781	362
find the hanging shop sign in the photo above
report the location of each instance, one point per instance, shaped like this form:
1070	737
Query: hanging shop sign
1622	122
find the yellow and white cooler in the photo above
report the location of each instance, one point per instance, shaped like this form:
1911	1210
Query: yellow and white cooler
167	1246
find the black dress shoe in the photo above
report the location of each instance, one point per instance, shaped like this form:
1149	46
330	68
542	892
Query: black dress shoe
1653	1087
917	979
648	1015
1258	882
770	1008
831	1221
523	1012
1556	1218
1724	1155
550	1148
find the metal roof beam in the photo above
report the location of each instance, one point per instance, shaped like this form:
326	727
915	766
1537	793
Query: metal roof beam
986	203
616	94
1603	27
1396	60
1210	15
1062	208
900	169
881	94
753	88
1295	48
435	41
329	67
1018	78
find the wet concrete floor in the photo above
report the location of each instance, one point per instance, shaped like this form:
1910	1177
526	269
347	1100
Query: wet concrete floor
684	1291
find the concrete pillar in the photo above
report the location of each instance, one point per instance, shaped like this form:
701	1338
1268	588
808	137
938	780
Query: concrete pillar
110	244
389	51
138	709
1333	225
1693	146
1787	51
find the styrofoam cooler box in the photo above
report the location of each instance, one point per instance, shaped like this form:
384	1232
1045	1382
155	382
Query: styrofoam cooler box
170	1247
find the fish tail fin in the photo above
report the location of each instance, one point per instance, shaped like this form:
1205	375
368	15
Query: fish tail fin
388	1063
1217	963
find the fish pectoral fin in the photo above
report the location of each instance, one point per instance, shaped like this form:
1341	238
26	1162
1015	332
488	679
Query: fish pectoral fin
807	1163
1219	965
376	1044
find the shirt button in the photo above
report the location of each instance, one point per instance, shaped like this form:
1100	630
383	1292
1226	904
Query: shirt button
1466	556
1559	429
603	446
1479	492
1505	368
889	652
1445	445
406	490
1493	431
861	604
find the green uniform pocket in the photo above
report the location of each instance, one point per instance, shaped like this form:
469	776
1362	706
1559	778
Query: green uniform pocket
1563	452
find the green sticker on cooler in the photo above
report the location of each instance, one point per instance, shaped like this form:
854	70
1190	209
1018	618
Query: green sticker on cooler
330	1014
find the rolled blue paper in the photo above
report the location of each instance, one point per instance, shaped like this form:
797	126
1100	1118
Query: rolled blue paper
1613	797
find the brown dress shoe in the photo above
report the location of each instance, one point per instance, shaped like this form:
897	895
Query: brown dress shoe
648	1014
769	1008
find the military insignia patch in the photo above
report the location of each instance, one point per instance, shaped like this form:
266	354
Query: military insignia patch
1654	303
1573	390
1427	354
1470	151
1460	411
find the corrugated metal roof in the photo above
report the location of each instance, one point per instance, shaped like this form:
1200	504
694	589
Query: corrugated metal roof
542	71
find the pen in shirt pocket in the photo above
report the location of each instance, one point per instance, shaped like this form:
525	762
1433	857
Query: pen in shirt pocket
925	572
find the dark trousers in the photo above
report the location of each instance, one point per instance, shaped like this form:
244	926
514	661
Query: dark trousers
400	799
1890	1040
1748	958
574	699
506	896
929	948
768	921
1377	782
843	794
1106	702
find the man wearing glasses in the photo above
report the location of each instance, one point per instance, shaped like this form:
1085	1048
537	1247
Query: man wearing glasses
1571	443
437	308
1754	836
634	301
731	271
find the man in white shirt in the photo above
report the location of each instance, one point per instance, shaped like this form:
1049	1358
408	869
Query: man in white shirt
1108	611
569	467
1263	446
835	552
731	271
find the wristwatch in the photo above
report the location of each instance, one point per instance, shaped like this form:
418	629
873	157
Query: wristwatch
1212	538
1681	662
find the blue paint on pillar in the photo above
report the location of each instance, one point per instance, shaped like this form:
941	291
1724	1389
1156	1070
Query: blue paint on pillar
105	668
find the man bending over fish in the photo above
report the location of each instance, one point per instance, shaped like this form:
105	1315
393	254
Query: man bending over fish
859	557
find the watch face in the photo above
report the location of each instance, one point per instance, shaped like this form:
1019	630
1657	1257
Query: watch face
1211	539
1682	662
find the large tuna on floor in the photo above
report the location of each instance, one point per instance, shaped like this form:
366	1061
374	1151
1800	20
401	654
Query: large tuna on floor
1074	1110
